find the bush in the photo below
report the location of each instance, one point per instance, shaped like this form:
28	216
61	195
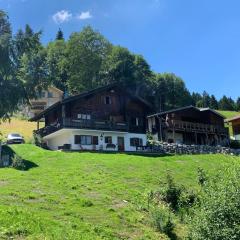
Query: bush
216	215
171	193
202	176
162	221
18	163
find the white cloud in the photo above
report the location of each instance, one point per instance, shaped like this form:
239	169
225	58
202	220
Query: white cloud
62	16
84	15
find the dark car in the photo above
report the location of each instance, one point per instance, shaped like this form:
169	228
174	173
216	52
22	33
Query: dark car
15	138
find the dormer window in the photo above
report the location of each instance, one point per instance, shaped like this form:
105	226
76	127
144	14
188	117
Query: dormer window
107	100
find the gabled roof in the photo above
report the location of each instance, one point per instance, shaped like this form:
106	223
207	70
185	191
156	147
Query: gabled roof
233	119
56	89
86	94
186	108
213	111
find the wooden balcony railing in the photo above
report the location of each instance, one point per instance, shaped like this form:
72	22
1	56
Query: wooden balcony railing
90	124
196	127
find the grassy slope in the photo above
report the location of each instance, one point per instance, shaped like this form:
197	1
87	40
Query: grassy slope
53	200
229	114
23	127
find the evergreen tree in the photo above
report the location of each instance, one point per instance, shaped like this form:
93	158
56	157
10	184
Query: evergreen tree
213	102
196	98
59	35
226	103
238	104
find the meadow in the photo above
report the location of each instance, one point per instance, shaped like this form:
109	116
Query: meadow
17	125
90	195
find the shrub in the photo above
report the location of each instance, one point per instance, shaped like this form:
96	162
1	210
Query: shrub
171	193
162	221
216	215
18	163
202	176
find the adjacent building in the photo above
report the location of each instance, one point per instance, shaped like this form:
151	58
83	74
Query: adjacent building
189	125
234	124
45	99
106	118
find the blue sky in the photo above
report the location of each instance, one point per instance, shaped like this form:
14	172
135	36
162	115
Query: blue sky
199	40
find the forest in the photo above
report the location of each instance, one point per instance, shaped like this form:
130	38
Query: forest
84	61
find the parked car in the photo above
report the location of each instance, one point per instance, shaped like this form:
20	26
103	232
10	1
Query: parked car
15	138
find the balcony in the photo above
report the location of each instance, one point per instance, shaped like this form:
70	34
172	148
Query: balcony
195	127
83	124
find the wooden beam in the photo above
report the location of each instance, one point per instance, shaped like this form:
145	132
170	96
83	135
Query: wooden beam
195	138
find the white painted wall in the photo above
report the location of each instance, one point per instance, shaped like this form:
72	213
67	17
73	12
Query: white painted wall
237	137
66	136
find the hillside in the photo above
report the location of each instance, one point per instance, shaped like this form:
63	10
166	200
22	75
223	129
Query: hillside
16	125
89	195
229	114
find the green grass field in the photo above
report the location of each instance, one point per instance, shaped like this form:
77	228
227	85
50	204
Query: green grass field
229	114
89	195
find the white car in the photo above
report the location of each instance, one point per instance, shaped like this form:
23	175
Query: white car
15	138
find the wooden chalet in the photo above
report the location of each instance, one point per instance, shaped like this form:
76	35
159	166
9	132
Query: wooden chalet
189	125
106	118
234	123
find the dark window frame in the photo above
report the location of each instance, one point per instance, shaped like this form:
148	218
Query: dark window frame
78	139
107	100
108	138
135	142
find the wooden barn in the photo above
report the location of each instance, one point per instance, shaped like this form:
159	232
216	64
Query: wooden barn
189	125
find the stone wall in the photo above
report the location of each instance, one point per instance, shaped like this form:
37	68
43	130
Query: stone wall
173	148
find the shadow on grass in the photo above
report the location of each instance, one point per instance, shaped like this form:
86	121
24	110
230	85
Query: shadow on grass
24	165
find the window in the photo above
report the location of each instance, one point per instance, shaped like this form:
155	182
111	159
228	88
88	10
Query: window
41	94
84	116
107	100
134	142
136	121
83	139
50	95
108	139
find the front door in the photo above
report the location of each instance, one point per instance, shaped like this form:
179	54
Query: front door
120	141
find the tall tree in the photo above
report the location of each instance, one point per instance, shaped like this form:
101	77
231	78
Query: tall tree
119	67
238	104
213	102
86	52
196	98
26	42
10	91
226	103
170	92
31	62
57	64
59	35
